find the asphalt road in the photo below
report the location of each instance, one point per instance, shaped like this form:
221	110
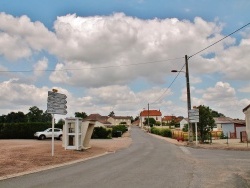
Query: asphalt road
148	162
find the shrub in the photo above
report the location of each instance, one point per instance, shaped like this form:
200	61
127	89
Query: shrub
161	131
118	128
100	132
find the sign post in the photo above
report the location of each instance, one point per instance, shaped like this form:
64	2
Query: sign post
194	118
56	105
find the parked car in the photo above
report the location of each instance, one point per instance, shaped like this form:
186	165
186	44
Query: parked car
48	134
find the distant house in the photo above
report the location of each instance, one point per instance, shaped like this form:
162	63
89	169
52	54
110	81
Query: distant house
156	114
101	121
167	120
246	111
136	123
117	120
183	122
107	121
229	126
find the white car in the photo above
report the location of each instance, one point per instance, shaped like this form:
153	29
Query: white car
48	134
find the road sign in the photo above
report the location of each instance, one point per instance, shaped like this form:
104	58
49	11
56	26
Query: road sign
57	95
56	103
57	111
193	115
56	100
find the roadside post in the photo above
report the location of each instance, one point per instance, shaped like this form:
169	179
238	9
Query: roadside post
194	118
56	105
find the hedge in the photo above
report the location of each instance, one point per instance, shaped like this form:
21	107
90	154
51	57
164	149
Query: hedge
161	131
23	130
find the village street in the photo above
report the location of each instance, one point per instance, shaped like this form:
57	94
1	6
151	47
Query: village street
148	162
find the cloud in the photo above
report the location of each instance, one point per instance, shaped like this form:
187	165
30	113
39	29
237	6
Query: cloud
15	95
40	66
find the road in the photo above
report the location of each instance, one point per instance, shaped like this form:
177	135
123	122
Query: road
148	162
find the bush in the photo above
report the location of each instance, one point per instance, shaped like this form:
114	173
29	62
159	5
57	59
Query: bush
100	132
117	129
161	131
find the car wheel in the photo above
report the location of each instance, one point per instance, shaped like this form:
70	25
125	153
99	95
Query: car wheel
59	137
42	137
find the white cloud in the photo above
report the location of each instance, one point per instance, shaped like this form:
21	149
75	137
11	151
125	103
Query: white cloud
40	66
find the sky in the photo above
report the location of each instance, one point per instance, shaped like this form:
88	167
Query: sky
117	55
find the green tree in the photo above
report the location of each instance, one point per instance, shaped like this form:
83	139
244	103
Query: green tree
14	117
35	114
217	114
81	115
111	114
152	121
206	122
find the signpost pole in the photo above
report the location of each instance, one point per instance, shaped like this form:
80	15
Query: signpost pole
196	135
53	121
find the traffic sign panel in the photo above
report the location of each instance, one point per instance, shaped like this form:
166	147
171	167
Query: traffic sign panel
57	111
57	95
56	105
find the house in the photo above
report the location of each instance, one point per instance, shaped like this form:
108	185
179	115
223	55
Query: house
183	122
246	111
101	121
229	126
136	123
156	114
117	120
168	120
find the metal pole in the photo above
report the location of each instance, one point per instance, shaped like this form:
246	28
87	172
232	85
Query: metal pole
52	149
190	135
196	135
148	114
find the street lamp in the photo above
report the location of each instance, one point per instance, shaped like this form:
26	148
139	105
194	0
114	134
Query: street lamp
190	138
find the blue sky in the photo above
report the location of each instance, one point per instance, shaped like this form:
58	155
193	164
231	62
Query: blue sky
118	55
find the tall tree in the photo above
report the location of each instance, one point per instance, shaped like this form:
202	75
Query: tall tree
206	122
35	114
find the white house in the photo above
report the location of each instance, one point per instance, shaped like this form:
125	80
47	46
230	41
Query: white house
183	122
156	114
229	126
246	111
116	120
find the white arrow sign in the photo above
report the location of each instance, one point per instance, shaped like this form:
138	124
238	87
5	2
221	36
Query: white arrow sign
56	100
57	111
56	105
57	95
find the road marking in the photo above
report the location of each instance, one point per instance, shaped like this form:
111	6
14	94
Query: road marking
185	150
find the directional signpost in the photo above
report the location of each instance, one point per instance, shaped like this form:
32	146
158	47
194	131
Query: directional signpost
193	115
56	105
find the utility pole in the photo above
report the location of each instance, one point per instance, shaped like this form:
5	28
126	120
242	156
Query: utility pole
190	130
148	114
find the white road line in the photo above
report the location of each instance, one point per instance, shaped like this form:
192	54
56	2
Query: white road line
185	150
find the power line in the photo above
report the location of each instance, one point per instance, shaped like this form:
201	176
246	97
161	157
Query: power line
101	67
161	97
219	40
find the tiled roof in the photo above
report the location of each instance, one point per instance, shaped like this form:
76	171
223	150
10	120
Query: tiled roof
121	117
150	113
222	120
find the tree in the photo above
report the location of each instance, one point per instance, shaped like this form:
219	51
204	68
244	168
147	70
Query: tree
111	114
81	115
152	122
14	117
206	122
35	114
217	114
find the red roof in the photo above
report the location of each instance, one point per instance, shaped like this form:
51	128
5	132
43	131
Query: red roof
150	113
